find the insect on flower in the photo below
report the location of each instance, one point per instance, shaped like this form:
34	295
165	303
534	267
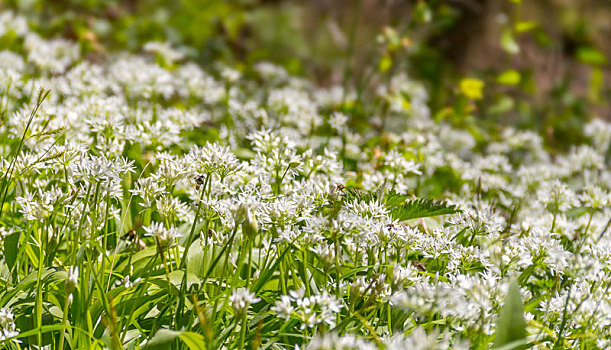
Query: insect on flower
420	266
200	179
131	235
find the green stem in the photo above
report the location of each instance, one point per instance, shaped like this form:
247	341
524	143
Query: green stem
39	288
149	270
243	331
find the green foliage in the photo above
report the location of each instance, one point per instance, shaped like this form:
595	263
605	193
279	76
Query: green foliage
511	327
401	207
421	208
164	338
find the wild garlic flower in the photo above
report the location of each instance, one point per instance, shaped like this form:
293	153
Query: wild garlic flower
398	164
310	311
172	207
339	342
241	299
8	329
556	196
37	206
148	189
326	253
72	279
165	50
127	283
213	159
595	197
9	21
338	122
165	237
51	55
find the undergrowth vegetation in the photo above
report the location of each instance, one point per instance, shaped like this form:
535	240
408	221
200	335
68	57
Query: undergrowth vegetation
147	202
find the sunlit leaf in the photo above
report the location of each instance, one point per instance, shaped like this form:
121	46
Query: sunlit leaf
509	77
509	43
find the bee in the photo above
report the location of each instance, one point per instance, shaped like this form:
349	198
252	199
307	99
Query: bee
200	179
131	235
420	266
391	227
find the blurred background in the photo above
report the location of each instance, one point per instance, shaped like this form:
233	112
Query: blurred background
543	63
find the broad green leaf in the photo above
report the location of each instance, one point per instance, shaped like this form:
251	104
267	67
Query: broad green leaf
511	326
193	340
177	276
162	339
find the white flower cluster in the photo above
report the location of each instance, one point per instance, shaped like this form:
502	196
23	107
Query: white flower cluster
309	311
241	299
418	339
7	324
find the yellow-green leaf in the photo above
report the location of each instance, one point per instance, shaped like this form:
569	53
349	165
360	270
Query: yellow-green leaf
509	77
385	63
472	88
591	56
525	26
193	340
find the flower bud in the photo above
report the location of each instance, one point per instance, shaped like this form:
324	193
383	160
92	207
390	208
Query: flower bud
72	279
250	226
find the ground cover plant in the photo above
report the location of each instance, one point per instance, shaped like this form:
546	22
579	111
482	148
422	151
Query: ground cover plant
148	202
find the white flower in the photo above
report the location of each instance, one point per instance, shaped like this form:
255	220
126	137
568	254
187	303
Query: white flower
212	159
165	237
165	50
241	299
338	122
72	279
7	324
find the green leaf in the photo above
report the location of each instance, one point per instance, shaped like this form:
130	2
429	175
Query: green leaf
509	77
11	243
269	272
385	63
193	340
176	278
511	326
591	56
394	199
525	26
517	344
421	208
509	43
358	195
162	338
